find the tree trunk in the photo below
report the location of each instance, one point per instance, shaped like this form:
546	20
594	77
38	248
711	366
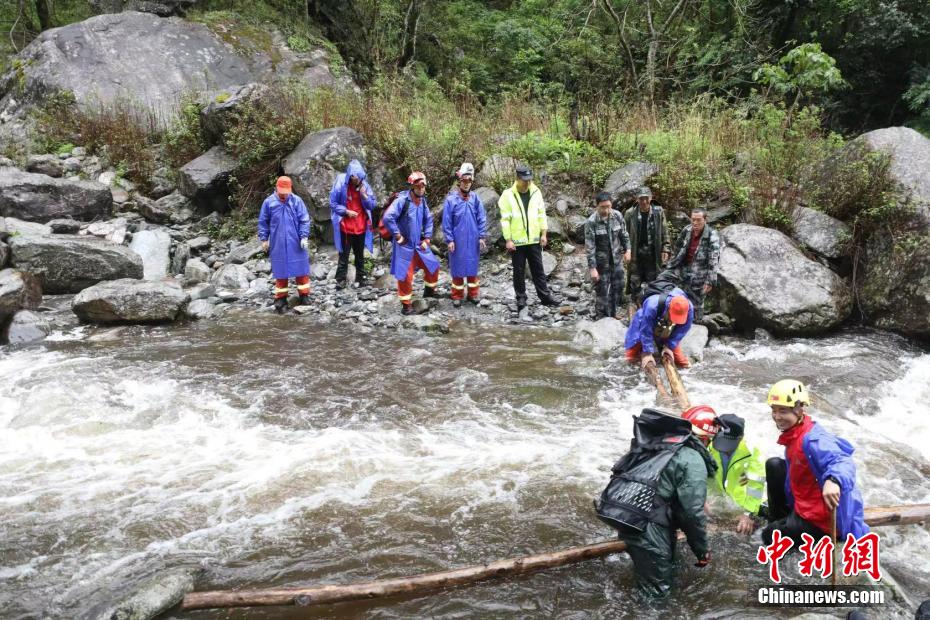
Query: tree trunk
45	15
674	382
409	41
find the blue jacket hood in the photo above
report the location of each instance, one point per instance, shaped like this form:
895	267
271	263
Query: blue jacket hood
355	168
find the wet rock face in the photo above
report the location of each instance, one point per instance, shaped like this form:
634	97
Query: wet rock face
130	301
205	180
37	197
18	290
69	264
766	281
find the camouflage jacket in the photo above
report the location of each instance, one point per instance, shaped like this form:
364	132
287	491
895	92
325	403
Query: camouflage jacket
604	239
703	269
657	227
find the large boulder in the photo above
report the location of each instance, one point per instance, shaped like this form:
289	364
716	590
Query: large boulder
316	162
25	327
824	235
909	165
497	171
490	198
69	264
219	109
18	290
129	301
231	276
624	183
162	8
695	341
154	246
205	180
766	281
603	335
110	57
40	198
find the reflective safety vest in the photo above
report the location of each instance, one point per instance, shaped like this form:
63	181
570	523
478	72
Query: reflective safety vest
522	227
744	479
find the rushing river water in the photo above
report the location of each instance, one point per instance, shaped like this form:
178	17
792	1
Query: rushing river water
270	451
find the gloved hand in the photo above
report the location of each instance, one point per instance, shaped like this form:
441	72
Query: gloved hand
704	561
304	243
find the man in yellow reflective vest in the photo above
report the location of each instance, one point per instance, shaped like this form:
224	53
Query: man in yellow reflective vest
524	227
740	471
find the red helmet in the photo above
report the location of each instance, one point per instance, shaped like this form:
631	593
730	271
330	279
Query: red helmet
703	420
416	177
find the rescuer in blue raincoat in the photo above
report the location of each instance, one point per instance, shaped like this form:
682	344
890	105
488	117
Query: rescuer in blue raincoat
284	230
411	225
351	201
666	326
465	227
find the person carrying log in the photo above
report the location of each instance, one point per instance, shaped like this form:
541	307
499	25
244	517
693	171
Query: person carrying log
663	321
816	477
659	486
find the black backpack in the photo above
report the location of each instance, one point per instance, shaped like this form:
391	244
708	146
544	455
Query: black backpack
631	501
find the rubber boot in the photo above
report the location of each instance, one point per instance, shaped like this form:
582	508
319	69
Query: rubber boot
280	305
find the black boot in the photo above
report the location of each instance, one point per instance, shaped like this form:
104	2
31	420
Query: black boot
303	300
340	284
280	305
406	309
429	291
456	303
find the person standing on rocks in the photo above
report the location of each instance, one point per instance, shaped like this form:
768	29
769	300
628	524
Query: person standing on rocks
608	248
465	226
649	242
663	321
697	259
351	201
410	223
524	227
284	230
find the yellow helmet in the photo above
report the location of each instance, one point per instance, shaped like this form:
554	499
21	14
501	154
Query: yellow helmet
788	393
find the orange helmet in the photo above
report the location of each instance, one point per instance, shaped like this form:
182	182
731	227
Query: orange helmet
703	420
416	177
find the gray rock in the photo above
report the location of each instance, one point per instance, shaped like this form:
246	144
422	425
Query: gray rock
765	281
497	171
26	327
576	228
182	253
154	246
162	8
624	182
200	309
425	323
64	227
19	290
165	209
129	301
150	210
40	198
318	271
245	252
489	198
550	262
112	230
316	162
205	180
561	206
556	231
201	291
196	271
4	254
10	226
220	108
910	162
72	165
199	244
824	235
151	598
107	178
69	264
231	277
47	164
120	196
603	335
895	289
695	341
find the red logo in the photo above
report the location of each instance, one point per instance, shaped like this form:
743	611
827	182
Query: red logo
859	555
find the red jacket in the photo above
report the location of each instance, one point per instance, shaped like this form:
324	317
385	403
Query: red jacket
808	496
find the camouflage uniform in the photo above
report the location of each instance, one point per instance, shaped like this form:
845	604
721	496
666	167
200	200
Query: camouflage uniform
702	269
606	241
646	262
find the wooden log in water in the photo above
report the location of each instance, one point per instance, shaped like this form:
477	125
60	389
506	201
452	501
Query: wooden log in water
655	378
674	381
430	582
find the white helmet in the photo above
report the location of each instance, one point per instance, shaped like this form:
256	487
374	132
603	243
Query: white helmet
466	169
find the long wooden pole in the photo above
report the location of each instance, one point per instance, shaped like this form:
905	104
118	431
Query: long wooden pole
655	378
674	381
429	582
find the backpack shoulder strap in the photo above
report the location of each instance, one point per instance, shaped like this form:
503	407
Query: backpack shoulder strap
663	302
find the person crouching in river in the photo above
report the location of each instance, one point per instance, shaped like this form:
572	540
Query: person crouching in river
664	320
816	477
410	223
284	230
